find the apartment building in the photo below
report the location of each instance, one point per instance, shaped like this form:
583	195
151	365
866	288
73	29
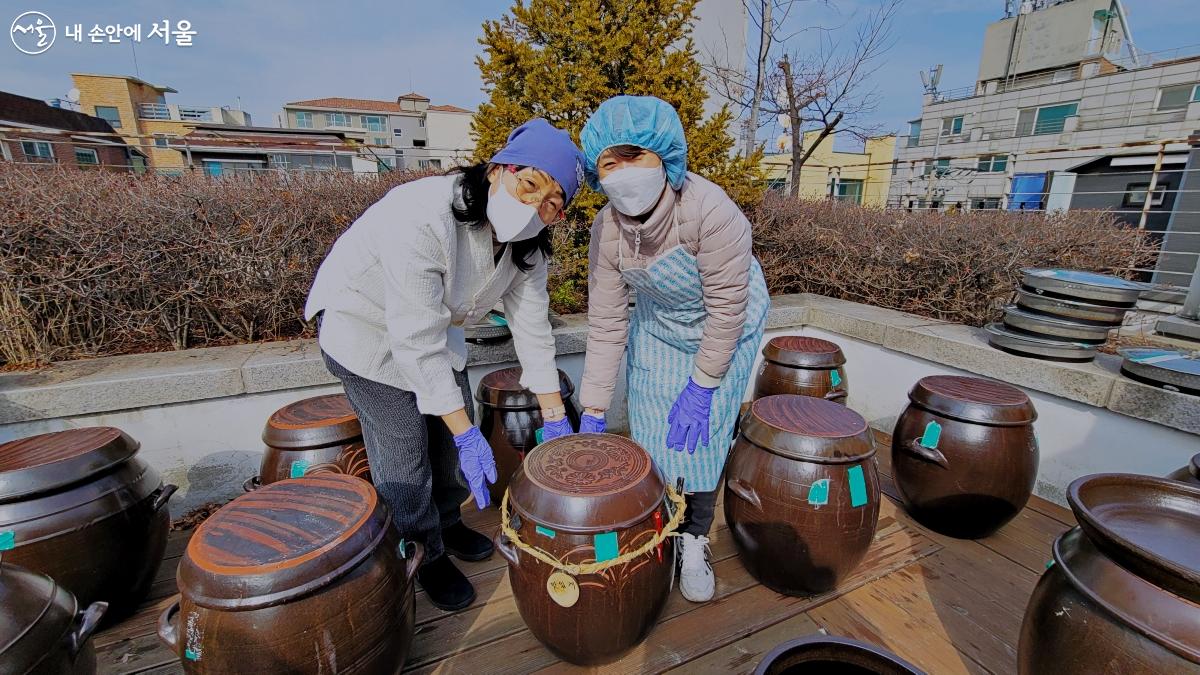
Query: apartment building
853	176
139	112
32	132
1059	85
407	133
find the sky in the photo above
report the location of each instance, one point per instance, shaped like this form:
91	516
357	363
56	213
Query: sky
265	54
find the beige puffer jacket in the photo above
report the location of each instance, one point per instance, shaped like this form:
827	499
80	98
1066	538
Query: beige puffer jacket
712	228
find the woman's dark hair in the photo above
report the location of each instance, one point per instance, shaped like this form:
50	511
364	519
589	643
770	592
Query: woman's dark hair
626	151
473	187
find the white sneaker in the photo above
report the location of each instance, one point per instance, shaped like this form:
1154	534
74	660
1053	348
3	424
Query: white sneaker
696	579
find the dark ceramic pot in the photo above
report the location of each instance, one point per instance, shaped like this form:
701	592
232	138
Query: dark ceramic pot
510	416
1189	473
964	454
43	631
316	435
824	655
577	498
802	493
299	576
1123	592
808	366
83	508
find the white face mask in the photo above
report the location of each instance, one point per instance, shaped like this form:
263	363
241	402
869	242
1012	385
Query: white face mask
634	190
512	219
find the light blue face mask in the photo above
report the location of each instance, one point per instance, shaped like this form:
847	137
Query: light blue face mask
634	190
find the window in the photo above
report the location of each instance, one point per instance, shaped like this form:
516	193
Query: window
914	133
373	122
109	114
379	140
992	163
1135	194
421	122
86	156
986	203
161	141
429	163
941	167
952	126
37	150
1049	119
304	120
418	142
337	120
1177	98
850	191
397	132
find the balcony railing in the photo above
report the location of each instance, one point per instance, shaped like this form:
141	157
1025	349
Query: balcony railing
177	113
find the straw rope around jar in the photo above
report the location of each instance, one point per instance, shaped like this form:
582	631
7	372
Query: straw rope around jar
576	569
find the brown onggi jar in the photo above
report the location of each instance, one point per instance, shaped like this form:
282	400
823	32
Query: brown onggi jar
300	576
829	655
588	498
1122	594
964	454
43	629
1189	473
802	493
83	508
510	416
808	366
314	435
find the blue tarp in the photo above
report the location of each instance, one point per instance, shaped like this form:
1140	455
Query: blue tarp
1027	191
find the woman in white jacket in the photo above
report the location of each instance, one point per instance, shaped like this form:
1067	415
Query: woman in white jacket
393	296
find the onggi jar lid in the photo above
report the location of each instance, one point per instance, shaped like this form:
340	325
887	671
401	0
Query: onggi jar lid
802	351
809	429
46	462
973	399
502	389
312	423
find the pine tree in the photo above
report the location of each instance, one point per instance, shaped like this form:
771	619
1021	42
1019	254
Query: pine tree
559	59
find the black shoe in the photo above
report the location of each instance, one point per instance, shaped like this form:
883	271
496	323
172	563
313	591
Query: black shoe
466	544
448	588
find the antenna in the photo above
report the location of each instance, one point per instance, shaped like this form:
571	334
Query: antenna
931	79
73	95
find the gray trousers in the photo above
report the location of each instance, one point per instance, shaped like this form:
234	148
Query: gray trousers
414	462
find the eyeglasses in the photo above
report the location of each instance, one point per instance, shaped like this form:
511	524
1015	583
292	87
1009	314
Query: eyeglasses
549	207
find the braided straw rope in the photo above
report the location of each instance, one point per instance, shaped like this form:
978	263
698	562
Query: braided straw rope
593	567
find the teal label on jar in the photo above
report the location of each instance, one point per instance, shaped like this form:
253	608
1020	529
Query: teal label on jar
835	378
8	540
298	468
545	531
606	546
933	433
858	486
818	494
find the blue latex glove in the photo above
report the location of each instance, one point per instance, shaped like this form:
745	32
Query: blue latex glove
689	418
477	464
591	424
556	428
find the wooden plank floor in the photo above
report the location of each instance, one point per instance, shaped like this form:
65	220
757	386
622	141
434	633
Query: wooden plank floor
946	605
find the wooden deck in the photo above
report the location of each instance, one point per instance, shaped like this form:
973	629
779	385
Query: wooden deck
946	605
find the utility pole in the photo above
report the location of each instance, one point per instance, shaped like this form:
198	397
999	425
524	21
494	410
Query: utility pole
764	47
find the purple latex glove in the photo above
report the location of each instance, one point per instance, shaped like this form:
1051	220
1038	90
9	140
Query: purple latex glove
591	424
477	464
689	418
556	428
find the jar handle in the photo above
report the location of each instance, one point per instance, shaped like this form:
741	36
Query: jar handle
168	628
251	484
741	489
412	562
162	495
835	393
87	621
927	453
504	545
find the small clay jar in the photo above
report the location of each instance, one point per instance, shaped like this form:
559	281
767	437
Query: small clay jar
43	629
311	436
808	366
964	454
802	493
1189	473
828	655
510	417
300	576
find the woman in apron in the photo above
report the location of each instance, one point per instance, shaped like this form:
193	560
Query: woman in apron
681	246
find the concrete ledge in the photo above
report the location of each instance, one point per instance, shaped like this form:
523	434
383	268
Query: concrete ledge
111	384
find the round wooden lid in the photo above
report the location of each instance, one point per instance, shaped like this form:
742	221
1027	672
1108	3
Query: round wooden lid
313	423
38	613
282	540
50	461
587	483
973	399
802	351
501	389
807	428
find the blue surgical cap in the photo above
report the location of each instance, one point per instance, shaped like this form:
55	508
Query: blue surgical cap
644	121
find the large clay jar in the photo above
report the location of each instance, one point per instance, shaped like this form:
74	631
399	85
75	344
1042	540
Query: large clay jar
299	576
1122	594
802	493
1189	473
509	417
808	366
43	630
588	498
964	454
316	435
826	655
83	508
